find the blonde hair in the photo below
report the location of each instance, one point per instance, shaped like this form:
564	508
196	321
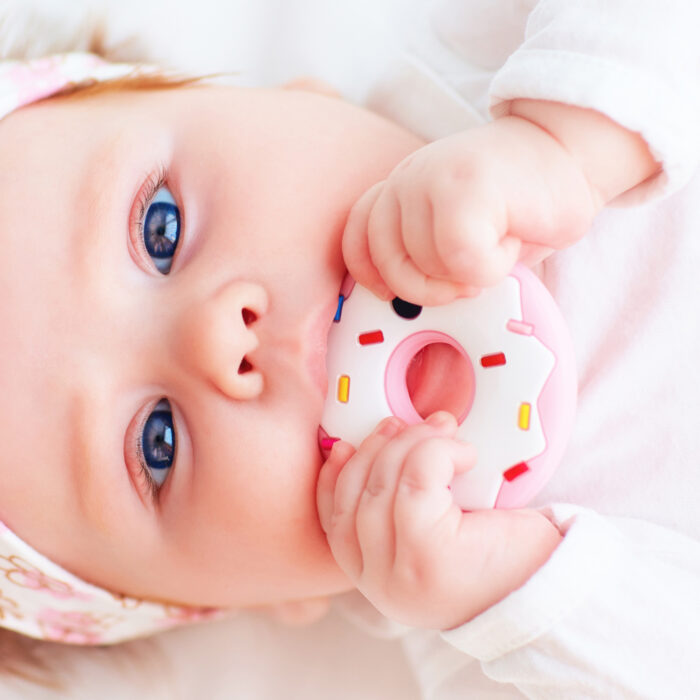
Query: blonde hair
20	656
135	81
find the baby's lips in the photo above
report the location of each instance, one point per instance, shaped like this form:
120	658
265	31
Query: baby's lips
325	442
347	285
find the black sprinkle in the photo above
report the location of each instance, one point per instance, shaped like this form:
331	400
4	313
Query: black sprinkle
405	309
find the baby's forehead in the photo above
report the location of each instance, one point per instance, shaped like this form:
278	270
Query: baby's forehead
45	202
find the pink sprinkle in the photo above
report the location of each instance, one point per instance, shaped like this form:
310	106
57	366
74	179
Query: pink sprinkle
520	327
327	443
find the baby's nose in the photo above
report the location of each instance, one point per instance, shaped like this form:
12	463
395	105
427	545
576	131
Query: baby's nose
218	334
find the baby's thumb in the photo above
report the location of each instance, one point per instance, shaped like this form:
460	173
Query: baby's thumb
465	457
355	245
341	452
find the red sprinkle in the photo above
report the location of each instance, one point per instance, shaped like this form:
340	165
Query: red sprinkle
327	443
516	471
371	338
493	360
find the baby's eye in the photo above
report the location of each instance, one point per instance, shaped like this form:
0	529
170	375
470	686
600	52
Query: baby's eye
158	443
161	229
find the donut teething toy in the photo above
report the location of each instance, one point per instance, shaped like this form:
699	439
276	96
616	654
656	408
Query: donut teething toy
522	390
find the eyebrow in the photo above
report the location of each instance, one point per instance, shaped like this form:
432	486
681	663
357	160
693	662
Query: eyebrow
95	194
98	188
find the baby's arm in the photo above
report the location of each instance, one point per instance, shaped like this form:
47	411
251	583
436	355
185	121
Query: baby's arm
607	611
612	614
457	214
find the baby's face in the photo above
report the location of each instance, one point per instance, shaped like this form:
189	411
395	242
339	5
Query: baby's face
204	371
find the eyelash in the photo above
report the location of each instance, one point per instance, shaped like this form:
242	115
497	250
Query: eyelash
153	183
139	471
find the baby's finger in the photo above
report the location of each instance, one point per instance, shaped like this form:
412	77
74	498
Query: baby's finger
392	261
422	495
375	520
417	232
341	532
475	254
327	478
533	253
409	283
406	281
384	233
375	256
356	247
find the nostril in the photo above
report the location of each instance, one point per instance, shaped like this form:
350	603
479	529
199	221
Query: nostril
248	316
244	367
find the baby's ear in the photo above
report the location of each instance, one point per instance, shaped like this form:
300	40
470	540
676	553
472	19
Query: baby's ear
300	612
312	85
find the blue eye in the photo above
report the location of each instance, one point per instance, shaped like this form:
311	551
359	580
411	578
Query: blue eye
158	442
161	229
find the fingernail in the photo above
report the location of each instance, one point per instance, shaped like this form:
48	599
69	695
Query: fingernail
440	418
338	450
469	291
389	426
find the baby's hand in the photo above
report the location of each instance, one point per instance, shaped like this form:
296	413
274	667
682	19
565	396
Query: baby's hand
457	214
394	529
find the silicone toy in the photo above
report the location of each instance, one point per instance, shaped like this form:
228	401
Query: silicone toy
520	410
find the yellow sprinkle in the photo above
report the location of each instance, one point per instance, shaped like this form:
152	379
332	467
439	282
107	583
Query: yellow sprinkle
343	388
524	417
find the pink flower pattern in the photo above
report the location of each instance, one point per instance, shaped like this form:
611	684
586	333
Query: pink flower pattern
72	627
8	607
22	573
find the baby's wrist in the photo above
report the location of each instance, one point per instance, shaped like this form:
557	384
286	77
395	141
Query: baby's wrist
529	540
533	541
612	159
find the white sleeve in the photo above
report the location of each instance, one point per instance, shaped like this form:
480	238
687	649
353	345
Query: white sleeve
637	61
614	613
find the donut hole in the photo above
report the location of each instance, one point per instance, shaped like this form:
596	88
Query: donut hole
440	378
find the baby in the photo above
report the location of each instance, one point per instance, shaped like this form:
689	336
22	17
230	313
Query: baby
214	330
173	259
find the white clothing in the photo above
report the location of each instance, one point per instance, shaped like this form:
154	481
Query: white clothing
615	612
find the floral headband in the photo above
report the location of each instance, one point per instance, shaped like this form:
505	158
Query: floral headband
38	598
